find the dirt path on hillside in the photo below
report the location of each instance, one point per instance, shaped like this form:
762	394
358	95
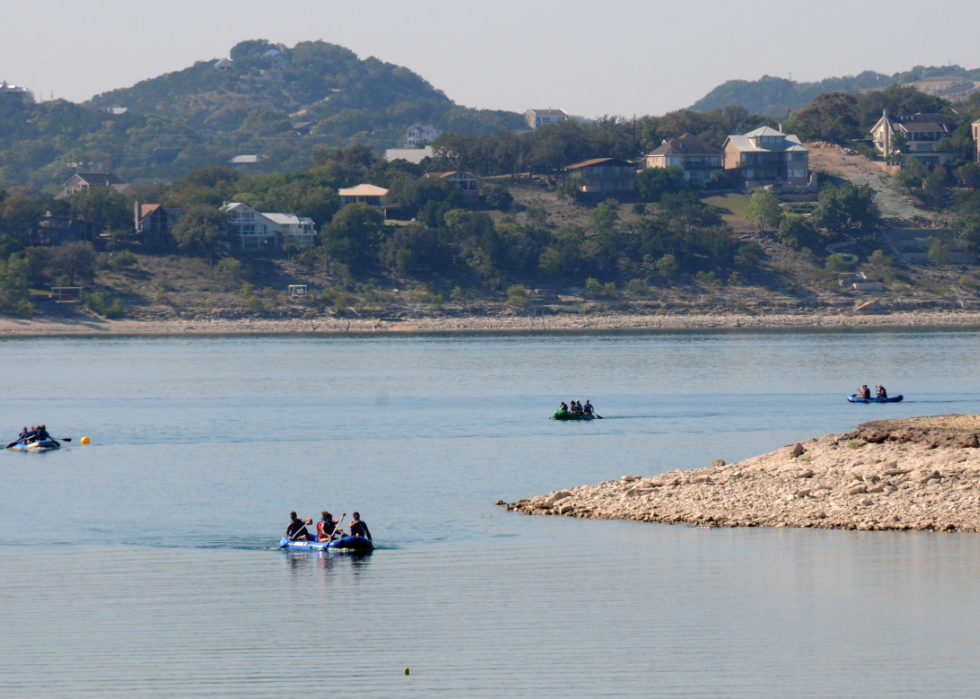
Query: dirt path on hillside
861	171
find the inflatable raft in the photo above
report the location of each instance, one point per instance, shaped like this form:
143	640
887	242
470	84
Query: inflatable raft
357	544
890	399
569	415
43	445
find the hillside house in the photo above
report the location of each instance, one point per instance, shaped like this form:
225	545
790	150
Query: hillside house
603	175
417	135
366	193
467	182
923	132
298	231
765	157
7	89
542	117
255	232
223	64
976	137
154	224
699	160
84	180
55	230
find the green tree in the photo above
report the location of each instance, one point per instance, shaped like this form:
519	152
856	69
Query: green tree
103	205
939	252
837	263
911	175
969	176
353	236
71	260
498	197
265	122
764	209
15	275
652	183
603	218
798	232
846	208
667	266
202	230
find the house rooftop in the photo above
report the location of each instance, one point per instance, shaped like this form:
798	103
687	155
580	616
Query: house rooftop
923	126
287	219
764	131
444	175
246	159
686	145
595	161
363	190
106	178
745	144
550	112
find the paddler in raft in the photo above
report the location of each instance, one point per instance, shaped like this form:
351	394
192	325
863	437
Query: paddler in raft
865	392
882	393
326	528
296	531
587	408
359	528
563	406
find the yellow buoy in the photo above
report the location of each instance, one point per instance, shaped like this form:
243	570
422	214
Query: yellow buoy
406	670
86	440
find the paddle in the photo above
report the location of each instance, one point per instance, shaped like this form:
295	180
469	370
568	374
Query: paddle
301	530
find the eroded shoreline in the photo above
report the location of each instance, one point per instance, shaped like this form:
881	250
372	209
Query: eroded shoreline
910	474
332	325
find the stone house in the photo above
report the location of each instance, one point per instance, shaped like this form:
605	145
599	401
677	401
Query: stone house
699	160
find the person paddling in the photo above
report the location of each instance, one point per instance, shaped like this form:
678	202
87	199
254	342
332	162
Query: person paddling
297	528
359	528
327	526
865	392
587	408
560	407
22	437
882	393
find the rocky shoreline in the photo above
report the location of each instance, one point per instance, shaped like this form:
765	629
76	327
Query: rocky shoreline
334	325
910	474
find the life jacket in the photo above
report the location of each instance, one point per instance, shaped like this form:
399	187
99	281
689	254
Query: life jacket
322	528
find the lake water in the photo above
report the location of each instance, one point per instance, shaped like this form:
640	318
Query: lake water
145	564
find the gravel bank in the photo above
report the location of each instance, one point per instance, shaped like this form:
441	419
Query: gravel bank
329	325
917	473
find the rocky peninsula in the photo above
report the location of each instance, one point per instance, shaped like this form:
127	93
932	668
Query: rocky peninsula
910	474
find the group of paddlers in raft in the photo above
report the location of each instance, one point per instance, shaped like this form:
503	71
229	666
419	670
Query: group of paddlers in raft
326	528
865	392
577	407
35	434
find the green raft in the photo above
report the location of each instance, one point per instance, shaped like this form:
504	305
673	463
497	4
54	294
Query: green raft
568	415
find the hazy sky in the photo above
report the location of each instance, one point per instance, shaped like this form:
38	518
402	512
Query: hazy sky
591	58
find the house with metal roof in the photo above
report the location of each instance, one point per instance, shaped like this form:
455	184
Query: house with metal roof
296	230
699	160
83	180
542	117
364	193
922	133
603	176
765	157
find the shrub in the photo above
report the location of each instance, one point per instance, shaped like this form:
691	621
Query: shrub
764	209
593	289
879	259
637	286
939	253
735	279
254	304
837	263
516	296
115	310
228	271
498	197
123	258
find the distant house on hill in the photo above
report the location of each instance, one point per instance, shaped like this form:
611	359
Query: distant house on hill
603	175
247	159
154	224
542	117
364	193
467	182
259	232
55	230
922	132
7	89
411	155
767	156
297	230
699	160
302	127
85	180
223	65
417	135
976	137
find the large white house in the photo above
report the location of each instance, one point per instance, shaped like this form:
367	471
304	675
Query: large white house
417	135
266	231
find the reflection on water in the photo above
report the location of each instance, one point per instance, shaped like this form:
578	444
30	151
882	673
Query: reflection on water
147	564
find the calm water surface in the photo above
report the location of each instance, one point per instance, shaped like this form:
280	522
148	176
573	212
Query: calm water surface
144	565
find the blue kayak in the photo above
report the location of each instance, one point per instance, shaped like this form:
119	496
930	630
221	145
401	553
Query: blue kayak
357	544
890	399
43	445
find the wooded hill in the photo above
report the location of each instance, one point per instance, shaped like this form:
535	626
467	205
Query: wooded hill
203	116
777	97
